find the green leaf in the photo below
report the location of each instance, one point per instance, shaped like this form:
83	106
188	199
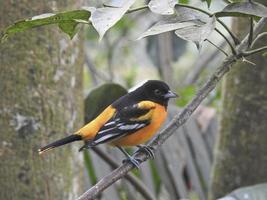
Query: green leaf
101	97
67	22
242	9
69	28
184	1
186	94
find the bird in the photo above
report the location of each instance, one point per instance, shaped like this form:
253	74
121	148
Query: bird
131	120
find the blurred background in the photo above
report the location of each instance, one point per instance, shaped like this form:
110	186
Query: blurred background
51	85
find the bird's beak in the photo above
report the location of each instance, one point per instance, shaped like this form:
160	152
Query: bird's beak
170	94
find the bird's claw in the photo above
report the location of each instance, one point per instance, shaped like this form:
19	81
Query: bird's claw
146	149
135	161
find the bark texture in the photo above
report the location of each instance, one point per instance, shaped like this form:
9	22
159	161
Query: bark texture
40	101
241	156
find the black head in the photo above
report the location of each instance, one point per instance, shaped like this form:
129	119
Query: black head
156	91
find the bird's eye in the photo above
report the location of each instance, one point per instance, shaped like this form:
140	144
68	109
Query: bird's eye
157	92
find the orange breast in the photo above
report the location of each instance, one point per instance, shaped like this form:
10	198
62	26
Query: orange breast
143	135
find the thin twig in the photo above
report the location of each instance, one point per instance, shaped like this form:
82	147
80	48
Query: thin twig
137	9
130	10
250	38
229	43
109	6
139	185
235	39
217	47
177	121
257	30
258	37
254	51
248	61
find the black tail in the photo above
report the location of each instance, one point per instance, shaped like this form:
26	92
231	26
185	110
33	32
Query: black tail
60	142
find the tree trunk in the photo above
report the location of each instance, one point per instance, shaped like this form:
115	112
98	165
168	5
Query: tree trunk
40	101
241	156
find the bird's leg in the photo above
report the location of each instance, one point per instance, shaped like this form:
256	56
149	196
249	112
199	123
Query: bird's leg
129	158
147	149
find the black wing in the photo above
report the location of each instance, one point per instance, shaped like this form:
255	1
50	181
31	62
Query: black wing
126	121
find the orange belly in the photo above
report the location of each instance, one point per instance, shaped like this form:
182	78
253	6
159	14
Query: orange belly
144	134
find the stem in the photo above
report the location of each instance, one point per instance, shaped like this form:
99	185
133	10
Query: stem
229	43
235	39
257	30
129	11
220	49
137	9
258	37
109	6
254	51
250	38
247	61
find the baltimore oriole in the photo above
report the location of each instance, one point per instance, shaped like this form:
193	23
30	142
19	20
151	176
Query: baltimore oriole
130	121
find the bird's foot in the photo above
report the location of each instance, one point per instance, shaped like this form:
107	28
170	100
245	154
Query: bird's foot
146	149
135	161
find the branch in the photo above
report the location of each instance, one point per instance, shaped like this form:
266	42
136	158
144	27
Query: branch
139	185
254	51
228	42
177	121
257	30
261	35
235	39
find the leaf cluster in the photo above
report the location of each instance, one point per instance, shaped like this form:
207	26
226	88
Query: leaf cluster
188	22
